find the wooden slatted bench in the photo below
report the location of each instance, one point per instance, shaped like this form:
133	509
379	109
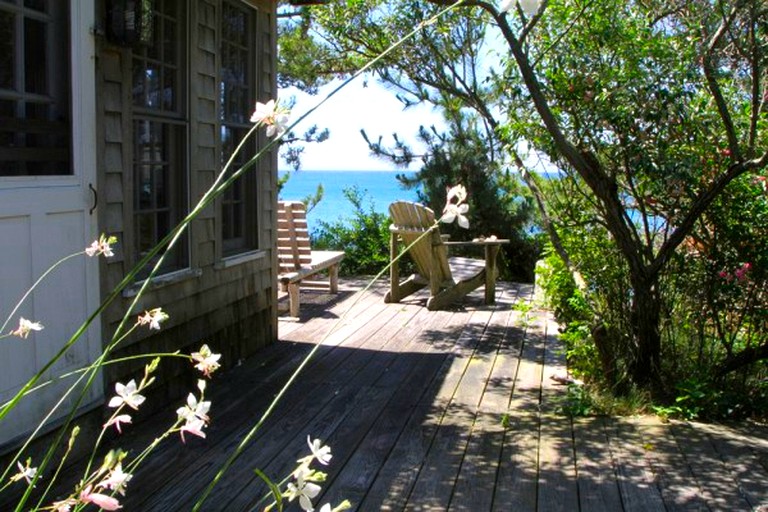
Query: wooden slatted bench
296	259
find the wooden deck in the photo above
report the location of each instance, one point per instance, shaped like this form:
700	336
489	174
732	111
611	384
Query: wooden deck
412	403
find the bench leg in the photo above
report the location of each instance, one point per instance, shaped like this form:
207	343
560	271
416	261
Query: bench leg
333	276
293	299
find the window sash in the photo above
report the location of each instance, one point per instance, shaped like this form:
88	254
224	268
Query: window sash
238	81
160	136
160	186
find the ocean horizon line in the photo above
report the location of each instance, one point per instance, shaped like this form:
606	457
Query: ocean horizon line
346	170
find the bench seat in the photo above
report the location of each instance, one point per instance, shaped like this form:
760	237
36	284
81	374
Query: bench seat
297	261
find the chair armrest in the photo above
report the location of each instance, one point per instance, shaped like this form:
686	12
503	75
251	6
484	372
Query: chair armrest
481	243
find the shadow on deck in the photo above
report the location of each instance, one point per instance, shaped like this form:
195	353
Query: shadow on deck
446	410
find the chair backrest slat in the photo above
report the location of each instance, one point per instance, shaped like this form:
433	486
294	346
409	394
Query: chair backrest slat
409	222
293	249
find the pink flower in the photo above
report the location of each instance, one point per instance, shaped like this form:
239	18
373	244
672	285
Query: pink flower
101	246
153	317
100	500
741	272
63	505
117	420
194	427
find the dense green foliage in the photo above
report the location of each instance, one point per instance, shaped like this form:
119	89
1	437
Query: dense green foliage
715	310
662	206
364	238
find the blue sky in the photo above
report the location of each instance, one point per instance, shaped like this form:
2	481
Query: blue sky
362	104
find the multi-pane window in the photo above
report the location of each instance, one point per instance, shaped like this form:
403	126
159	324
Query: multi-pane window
237	89
35	109
159	133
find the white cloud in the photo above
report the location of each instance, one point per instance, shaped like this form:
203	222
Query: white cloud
359	105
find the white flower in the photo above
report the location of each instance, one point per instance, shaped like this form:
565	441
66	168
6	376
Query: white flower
320	452
303	489
117	420
279	126
127	394
153	317
455	207
25	327
458	192
194	410
26	472
207	361
117	480
452	212
101	246
195	415
506	5
530	7
271	115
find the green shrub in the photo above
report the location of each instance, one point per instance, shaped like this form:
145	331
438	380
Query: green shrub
364	237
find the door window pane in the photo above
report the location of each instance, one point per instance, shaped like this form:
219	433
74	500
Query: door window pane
7	50
35	117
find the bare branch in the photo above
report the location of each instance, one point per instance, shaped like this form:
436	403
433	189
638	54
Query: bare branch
714	86
699	205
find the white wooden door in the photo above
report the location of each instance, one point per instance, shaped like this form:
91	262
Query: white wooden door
43	218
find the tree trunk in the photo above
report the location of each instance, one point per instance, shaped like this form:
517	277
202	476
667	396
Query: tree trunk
646	317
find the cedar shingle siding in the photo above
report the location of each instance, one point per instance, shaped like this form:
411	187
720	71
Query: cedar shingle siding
229	303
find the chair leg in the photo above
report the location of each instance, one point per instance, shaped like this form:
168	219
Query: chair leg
491	251
333	276
293	299
393	295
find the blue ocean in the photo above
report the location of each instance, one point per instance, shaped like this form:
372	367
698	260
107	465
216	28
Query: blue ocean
379	188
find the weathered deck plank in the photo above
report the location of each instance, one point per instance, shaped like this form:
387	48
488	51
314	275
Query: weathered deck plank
741	452
678	485
638	486
718	486
445	410
516	485
477	478
557	489
598	487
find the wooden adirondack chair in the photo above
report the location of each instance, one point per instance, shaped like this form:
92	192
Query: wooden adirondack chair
449	279
296	260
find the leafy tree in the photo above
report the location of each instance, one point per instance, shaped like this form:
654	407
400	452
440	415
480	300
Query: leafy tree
654	111
650	109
